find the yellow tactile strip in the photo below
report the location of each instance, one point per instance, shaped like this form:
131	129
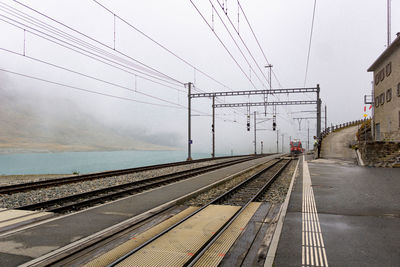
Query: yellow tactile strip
137	240
217	251
178	245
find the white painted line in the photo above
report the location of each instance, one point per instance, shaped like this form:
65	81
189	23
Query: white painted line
282	214
360	160
315	250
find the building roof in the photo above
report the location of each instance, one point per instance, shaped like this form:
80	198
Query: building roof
388	51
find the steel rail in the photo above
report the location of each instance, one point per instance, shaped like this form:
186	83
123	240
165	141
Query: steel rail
214	237
92	176
92	197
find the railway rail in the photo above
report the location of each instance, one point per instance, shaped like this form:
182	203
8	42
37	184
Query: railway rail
79	201
243	194
10	189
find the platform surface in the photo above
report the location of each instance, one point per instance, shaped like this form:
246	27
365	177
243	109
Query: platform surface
357	212
34	242
177	246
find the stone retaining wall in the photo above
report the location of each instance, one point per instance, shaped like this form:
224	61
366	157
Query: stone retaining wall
380	153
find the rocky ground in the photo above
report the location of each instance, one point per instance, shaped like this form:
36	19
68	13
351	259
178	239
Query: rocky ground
276	194
40	195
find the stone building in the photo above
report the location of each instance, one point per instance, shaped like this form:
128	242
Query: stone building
386	93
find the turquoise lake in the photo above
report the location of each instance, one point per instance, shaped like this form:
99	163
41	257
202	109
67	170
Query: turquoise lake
86	162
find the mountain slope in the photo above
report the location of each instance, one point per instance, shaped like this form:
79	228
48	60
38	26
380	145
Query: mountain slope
35	124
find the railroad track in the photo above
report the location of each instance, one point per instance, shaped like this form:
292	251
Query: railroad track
10	189
243	194
79	201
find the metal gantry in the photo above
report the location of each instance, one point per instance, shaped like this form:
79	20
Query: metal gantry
213	95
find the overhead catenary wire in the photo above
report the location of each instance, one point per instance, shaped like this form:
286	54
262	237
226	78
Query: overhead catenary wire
222	43
89	76
76	49
241	39
73	38
162	46
309	44
166	49
61	42
240	50
258	43
87	90
98	42
176	106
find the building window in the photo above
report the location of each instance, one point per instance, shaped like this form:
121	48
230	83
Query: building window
382	74
389	95
377	78
377	131
382	99
377	101
398	89
388	68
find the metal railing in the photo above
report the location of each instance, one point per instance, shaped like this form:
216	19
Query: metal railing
334	128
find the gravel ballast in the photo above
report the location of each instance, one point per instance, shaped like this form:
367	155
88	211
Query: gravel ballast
275	194
34	196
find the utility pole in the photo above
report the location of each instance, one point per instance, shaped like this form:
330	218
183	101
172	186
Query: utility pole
388	22
255	134
277	141
270	77
308	137
326	118
318	113
262	145
282	141
213	127
270	86
189	122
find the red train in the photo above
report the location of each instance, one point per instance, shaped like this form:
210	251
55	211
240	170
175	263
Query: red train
296	148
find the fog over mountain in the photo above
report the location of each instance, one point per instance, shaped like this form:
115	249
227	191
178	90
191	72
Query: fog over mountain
31	121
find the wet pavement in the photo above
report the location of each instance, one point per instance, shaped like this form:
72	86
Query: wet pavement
358	213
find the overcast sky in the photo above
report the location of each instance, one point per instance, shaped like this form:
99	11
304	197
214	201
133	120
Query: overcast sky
348	36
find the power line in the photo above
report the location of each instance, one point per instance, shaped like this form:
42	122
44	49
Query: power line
64	35
233	39
161	45
89	76
87	90
77	40
219	39
97	41
259	45
241	39
309	45
164	47
74	48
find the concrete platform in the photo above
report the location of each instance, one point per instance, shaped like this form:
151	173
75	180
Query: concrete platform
342	215
10	219
50	236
